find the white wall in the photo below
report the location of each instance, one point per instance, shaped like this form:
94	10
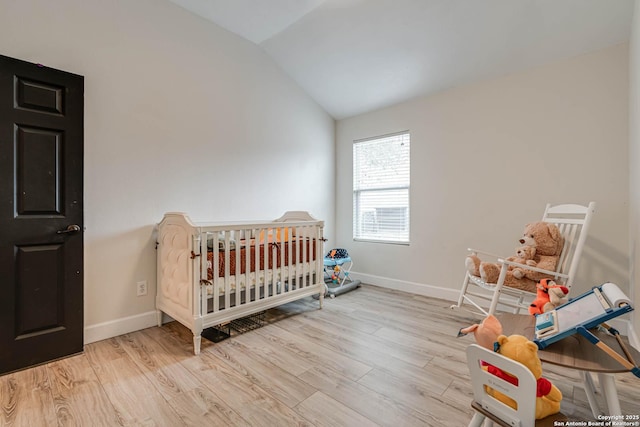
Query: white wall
487	157
634	167
180	115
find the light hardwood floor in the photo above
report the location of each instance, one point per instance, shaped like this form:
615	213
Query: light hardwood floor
371	357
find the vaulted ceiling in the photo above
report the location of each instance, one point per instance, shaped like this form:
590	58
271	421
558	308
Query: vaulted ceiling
355	56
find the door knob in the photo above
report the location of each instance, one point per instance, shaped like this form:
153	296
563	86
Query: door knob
70	229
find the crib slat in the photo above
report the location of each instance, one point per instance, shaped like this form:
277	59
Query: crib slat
238	250
227	263
247	263
280	247
305	236
311	261
274	266
290	264
215	271
256	261
299	265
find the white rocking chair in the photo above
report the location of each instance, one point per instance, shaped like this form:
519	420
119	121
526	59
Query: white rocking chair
573	222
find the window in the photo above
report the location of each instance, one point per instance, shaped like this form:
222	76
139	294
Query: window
381	189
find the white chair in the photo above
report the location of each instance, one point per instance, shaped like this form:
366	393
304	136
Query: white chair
573	221
487	408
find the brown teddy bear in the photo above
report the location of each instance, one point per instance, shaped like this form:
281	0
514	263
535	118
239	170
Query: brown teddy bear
525	351
524	255
548	242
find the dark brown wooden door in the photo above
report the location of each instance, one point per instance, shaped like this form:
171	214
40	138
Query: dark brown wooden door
41	214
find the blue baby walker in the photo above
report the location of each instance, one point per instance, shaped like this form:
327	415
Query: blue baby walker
337	267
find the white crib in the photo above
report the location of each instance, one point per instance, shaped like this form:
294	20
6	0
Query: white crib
259	265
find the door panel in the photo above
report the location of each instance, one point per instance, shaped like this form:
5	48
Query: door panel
41	187
38	301
38	96
38	168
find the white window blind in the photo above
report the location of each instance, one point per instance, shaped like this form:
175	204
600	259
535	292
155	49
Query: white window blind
381	178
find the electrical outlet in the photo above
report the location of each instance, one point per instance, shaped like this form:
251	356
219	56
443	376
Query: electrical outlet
141	288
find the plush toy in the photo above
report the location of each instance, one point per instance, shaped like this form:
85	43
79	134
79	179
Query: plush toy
525	255
547	240
557	295
335	277
549	295
521	349
486	332
542	299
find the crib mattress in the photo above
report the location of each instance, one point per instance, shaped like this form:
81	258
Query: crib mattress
273	253
274	272
262	278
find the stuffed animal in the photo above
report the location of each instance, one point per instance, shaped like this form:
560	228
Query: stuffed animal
557	295
547	240
542	299
525	255
549	295
485	333
521	349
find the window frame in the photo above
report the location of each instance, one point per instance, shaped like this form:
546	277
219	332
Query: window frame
357	192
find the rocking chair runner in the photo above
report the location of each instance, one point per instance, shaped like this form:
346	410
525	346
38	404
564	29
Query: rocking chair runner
573	222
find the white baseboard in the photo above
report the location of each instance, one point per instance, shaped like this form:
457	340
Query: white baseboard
113	328
624	326
411	287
